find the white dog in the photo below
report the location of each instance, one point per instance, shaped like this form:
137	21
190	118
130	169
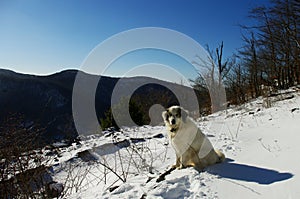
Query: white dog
192	147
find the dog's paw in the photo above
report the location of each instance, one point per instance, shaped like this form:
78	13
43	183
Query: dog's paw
181	166
174	166
221	156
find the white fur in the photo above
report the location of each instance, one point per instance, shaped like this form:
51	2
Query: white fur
191	146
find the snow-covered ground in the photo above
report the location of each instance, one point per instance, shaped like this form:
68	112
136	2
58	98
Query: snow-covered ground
260	144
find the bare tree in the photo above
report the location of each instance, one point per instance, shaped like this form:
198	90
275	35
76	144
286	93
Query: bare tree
237	83
277	42
216	71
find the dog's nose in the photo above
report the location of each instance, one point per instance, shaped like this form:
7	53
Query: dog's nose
173	121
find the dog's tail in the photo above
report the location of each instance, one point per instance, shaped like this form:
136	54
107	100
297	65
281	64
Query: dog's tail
220	155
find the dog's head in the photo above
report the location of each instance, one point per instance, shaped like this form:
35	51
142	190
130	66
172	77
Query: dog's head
174	115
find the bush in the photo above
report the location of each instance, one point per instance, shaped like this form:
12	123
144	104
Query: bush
22	170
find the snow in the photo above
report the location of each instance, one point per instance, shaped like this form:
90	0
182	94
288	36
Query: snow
260	144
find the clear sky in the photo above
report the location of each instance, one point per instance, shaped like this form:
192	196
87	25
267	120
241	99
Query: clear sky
46	36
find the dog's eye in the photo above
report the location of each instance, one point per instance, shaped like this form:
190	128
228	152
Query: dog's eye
177	115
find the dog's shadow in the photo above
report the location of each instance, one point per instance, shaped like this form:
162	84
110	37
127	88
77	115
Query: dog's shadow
229	169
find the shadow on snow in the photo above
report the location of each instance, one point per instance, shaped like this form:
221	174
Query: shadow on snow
243	172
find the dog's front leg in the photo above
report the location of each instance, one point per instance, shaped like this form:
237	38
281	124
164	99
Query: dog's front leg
178	162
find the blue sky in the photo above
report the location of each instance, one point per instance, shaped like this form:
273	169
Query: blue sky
43	37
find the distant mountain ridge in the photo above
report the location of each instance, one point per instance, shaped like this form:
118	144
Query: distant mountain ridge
47	100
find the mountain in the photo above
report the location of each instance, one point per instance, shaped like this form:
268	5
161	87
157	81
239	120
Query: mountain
45	102
259	141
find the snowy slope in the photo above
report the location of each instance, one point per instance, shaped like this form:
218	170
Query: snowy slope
260	145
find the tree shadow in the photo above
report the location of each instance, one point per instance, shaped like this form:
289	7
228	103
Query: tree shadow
243	172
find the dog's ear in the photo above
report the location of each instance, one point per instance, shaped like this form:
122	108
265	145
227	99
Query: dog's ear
184	114
165	115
